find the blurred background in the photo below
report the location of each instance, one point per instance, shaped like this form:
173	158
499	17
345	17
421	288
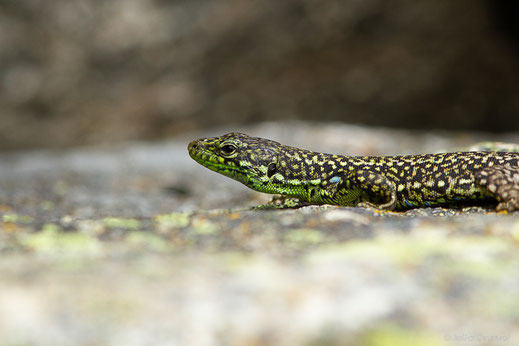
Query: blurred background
80	72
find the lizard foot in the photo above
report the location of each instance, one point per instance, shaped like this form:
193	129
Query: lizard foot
281	202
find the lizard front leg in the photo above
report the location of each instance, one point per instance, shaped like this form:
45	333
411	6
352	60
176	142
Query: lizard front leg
282	202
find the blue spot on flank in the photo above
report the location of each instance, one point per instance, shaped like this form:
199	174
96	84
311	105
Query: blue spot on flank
335	179
408	203
427	204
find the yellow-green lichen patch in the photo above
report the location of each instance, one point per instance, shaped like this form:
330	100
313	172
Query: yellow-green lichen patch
47	205
146	240
60	188
235	260
166	222
494	146
203	226
306	236
495	305
117	222
473	249
479	256
391	335
15	218
514	231
121	307
51	240
90	227
50	227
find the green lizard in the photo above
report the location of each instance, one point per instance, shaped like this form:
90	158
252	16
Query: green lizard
383	182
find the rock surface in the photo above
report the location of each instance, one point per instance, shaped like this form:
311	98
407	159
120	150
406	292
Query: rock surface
138	244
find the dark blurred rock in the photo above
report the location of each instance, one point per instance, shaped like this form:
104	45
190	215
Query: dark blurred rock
76	72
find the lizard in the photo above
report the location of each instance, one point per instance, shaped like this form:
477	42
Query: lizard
306	177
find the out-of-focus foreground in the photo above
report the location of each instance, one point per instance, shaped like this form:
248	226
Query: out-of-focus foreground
130	246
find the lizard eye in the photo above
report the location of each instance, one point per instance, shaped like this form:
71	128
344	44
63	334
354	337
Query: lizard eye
271	169
228	149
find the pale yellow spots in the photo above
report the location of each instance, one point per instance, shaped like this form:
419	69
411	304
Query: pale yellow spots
293	182
401	187
417	185
465	181
441	183
279	177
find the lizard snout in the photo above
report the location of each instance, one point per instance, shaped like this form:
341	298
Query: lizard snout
194	145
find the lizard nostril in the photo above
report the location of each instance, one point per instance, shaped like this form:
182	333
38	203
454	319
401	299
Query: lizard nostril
192	146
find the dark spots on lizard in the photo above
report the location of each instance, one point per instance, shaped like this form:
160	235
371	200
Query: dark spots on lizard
271	169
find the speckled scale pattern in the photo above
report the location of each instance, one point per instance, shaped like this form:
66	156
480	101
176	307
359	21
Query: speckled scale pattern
386	182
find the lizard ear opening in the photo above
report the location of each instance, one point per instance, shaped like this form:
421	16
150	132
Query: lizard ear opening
271	169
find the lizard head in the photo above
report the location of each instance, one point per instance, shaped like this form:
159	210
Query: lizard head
249	160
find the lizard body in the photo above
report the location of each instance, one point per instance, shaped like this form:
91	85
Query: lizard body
384	182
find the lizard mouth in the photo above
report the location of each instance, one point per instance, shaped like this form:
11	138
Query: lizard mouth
199	152
210	159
